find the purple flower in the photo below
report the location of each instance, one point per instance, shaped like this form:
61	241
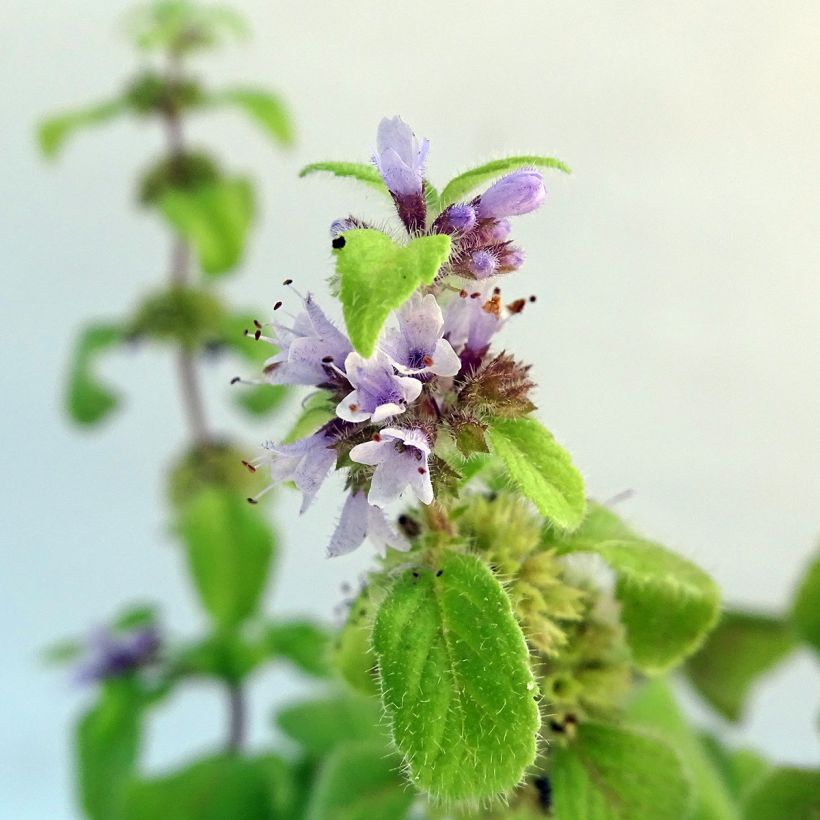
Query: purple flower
305	462
457	219
305	348
472	318
400	459
360	520
417	345
400	157
378	392
111	655
517	193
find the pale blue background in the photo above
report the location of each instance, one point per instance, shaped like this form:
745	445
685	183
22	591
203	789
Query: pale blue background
675	338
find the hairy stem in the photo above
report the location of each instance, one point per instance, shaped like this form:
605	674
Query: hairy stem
237	717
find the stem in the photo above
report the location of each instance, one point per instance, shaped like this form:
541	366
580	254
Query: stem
236	717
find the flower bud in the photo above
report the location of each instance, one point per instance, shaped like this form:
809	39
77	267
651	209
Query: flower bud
510	259
482	264
456	219
517	193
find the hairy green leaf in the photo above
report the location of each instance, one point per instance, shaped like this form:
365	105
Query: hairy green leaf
360	781
806	608
611	773
458	188
107	742
355	170
215	218
88	400
319	726
53	132
788	792
541	469
304	643
265	109
741	648
456	680
377	276
229	548
655	707
599	524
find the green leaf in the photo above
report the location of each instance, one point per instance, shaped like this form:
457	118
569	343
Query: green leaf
225	787
355	170
378	276
107	742
53	132
265	109
806	608
317	409
360	781
88	400
458	188
655	708
62	652
319	726
740	769
303	643
261	399
741	648
229	548
540	468
791	793
215	218
224	655
353	656
599	524
456	680
135	616
612	773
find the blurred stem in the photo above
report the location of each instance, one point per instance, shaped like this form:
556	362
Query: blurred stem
237	715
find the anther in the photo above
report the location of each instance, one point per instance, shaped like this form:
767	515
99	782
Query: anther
532	298
475	295
376	437
422	471
462	293
277	305
517	306
252	501
257	335
248	466
496	291
236	380
257	324
427	361
327	359
287	282
354	408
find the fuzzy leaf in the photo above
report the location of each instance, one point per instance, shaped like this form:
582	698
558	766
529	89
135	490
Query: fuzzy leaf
456	680
611	773
655	708
215	218
303	643
540	468
53	132
458	188
265	109
788	792
88	400
741	648
377	276
229	549
360	781
599	524
355	170
806	608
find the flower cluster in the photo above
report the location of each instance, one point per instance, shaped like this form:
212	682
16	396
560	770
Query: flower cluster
431	376
111	654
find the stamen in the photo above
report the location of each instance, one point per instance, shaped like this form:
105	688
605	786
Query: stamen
251	382
287	282
327	359
475	294
517	306
257	324
255	499
532	298
376	437
248	466
278	305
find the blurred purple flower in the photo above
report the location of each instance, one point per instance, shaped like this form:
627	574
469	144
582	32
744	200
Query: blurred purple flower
111	654
360	520
472	318
513	195
400	458
378	392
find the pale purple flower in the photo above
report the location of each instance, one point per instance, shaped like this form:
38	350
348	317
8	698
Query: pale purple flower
360	520
378	392
457	219
305	462
417	346
400	458
472	318
510	259
400	157
517	193
111	654
306	348
482	263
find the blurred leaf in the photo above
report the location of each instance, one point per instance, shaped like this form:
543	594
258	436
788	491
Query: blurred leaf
806	608
655	708
107	742
265	109
224	655
319	726
378	275
458	188
353	655
62	652
541	469
740	769
215	218
317	409
304	643
356	170
135	617
743	646
611	773
787	793
225	787
599	524
229	547
88	400
262	399
54	131
456	680
360	781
